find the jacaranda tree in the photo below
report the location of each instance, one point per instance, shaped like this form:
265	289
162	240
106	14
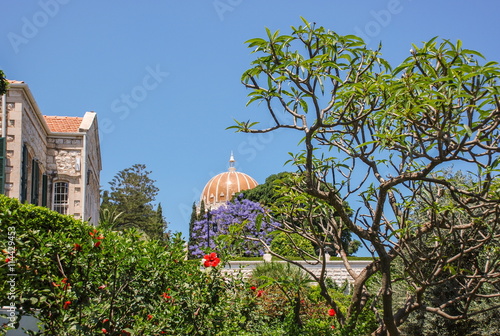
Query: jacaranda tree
379	137
242	217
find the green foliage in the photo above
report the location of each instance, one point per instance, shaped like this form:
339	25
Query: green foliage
454	273
266	193
108	218
4	84
377	136
283	272
81	280
132	193
292	245
286	292
275	194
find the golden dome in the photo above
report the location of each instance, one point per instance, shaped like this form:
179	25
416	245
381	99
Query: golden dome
223	186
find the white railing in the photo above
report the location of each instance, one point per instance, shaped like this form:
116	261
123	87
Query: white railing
334	269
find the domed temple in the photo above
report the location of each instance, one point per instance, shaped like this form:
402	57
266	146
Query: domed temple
221	188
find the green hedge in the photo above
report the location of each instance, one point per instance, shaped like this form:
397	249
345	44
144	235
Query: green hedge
86	281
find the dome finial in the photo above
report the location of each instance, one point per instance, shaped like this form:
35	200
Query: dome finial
231	162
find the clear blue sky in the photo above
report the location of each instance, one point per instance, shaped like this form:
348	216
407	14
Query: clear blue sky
163	75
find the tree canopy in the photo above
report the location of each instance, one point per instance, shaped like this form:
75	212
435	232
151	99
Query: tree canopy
266	193
270	194
379	136
3	83
131	197
243	216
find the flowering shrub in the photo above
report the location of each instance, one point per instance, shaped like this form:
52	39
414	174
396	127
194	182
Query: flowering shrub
83	280
211	260
252	218
127	286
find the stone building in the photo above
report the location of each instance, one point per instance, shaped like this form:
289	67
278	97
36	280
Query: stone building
49	161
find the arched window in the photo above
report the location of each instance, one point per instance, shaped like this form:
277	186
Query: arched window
61	201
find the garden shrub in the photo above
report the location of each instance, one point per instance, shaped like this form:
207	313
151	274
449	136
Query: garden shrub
282	245
81	280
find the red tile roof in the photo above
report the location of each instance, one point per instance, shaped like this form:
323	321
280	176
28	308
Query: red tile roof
63	124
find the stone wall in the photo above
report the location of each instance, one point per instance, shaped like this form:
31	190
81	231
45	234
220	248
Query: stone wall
58	155
64	157
93	167
335	268
14	147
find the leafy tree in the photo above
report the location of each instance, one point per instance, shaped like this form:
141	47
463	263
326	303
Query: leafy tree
3	83
132	194
378	137
243	216
266	193
291	245
270	194
453	274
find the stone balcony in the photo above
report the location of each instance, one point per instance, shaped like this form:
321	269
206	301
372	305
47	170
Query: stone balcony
335	269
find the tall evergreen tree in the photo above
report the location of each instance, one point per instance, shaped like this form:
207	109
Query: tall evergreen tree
202	211
132	193
160	224
3	83
194	218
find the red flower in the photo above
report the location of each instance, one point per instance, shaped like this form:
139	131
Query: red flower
97	244
93	233
253	288
105	320
7	260
260	292
66	283
102	286
150	317
66	304
166	296
332	312
77	247
100	237
211	260
104	331
333	327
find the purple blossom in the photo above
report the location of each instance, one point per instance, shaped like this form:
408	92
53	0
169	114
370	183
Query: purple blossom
217	222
